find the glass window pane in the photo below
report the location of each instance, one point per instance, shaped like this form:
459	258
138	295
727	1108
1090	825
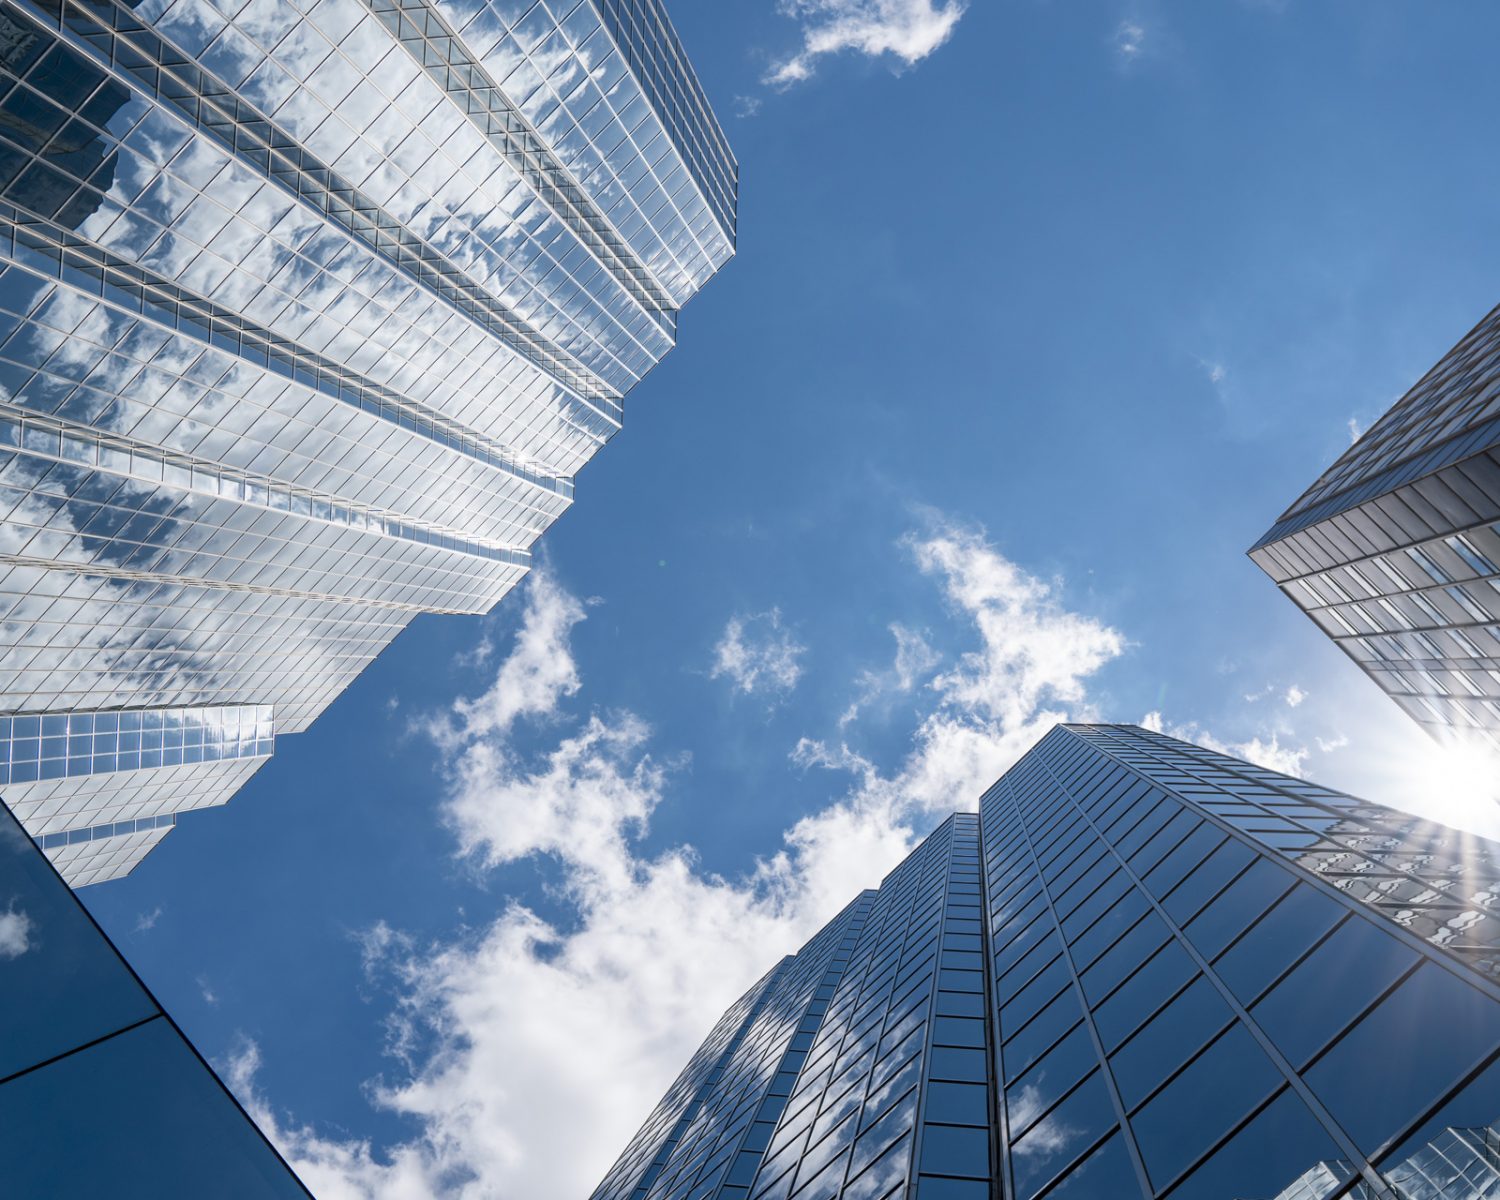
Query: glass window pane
1199	1106
1106	1174
1476	1107
1252	894
144	1120
1340	977
1061	1136
1167	970
1059	1070
1274	942
1354	1078
1282	1147
62	983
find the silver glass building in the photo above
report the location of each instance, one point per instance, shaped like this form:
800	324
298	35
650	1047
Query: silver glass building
310	312
1142	969
1395	551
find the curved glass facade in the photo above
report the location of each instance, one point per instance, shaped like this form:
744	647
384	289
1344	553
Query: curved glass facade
1143	969
307	321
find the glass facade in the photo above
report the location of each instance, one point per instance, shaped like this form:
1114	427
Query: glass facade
1142	969
1395	551
100	1094
309	314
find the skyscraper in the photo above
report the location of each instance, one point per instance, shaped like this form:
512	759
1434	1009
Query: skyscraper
100	1093
307	321
1394	550
1143	969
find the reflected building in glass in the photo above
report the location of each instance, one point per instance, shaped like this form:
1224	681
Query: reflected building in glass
1143	969
1395	551
100	1093
308	319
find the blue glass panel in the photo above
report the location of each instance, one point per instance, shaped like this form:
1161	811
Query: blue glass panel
1200	1105
62	983
1060	1137
154	1121
956	1150
1275	941
1354	1078
1323	993
1281	1145
1106	1174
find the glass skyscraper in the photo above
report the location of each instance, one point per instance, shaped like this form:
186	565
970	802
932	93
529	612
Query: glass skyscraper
1141	970
100	1093
1395	550
309	315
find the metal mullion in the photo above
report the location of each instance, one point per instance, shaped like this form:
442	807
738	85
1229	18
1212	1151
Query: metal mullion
1105	1074
1278	1060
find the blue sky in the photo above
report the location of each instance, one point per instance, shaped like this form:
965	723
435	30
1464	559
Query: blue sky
1042	313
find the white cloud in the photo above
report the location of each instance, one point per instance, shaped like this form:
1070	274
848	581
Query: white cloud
1355	432
909	30
758	655
1130	43
913	660
535	1030
15	933
145	922
1263	750
1295	696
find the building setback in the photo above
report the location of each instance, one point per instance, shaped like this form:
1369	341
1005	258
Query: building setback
308	319
1142	969
1393	552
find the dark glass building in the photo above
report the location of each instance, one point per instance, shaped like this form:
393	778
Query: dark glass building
1141	970
100	1093
310	315
1395	552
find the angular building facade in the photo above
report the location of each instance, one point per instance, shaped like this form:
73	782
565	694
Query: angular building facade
1143	969
309	315
100	1093
1395	551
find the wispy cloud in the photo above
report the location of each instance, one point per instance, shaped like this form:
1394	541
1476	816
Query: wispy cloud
1130	41
15	933
758	655
146	921
914	660
538	1029
1295	696
1264	749
907	30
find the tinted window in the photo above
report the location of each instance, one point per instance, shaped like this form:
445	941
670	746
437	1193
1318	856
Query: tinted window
1168	1041
1274	942
62	983
1336	981
1060	1137
1426	1033
1145	991
144	1119
1063	1066
1199	1106
1232	911
1281	1146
